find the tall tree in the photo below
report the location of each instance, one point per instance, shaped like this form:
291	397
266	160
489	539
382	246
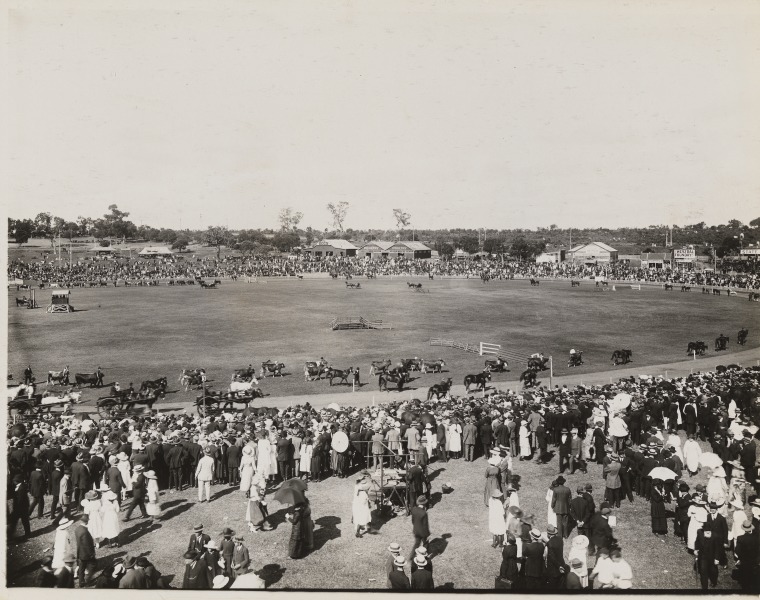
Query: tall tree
338	213
402	218
217	236
289	219
21	230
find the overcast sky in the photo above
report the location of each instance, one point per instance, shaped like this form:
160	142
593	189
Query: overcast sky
465	113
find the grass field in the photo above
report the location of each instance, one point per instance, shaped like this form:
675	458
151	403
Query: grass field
143	333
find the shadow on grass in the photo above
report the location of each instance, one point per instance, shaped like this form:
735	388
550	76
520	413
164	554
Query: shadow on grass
435	498
271	573
177	510
170	504
277	518
445	587
327	531
437	546
128	536
224	492
433	474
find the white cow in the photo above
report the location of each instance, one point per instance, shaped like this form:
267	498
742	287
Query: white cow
239	386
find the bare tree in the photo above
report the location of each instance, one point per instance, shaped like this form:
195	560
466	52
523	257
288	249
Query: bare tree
289	219
402	218
338	212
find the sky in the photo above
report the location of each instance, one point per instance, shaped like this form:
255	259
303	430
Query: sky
464	113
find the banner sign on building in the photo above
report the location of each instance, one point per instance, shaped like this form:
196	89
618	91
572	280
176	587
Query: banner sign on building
751	251
685	254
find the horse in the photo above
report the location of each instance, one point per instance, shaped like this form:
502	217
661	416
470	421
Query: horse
440	390
94	379
574	283
341	374
716	292
685	288
668	287
528	378
231	398
754	297
192	377
22	301
696	347
398	378
411	364
436	366
275	368
604	283
537	363
741	338
248	374
705	290
479	379
621	357
496	364
575	360
535	281
721	343
417	286
430	276
61	377
155	384
379	366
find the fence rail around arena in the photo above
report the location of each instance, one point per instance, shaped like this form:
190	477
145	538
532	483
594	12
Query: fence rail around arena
484	349
340	323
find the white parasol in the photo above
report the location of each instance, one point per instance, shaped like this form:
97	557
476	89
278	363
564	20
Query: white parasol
662	473
334	406
710	459
620	402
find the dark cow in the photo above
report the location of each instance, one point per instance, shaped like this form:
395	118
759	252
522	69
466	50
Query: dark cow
94	379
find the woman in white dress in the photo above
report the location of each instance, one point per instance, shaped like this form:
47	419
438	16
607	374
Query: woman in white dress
497	524
263	464
697	518
307	450
578	551
153	508
455	439
61	543
551	516
126	475
91	507
431	439
717	490
525	451
246	470
109	511
360	510
691	454
273	437
675	441
738	518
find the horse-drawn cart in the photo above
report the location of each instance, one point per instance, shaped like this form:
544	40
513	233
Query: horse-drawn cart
214	403
124	403
27	407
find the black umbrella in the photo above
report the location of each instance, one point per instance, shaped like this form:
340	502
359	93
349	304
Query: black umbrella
289	495
296	484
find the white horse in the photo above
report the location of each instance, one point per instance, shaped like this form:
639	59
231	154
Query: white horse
239	386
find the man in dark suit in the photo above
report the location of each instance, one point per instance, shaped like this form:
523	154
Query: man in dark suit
234	452
717	523
139	491
175	457
747	550
55	485
601	532
20	507
134	577
37	487
565	449
113	477
397	578
561	506
86	560
706	551
64	576
422	578
80	478
486	435
580	511
747	457
469	438
441	441
533	552
155	461
198	540
96	464
556	568
420	525
284	452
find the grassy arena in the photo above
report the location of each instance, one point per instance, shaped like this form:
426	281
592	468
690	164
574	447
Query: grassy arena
140	333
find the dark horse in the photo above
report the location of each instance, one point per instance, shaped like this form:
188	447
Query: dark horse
479	379
574	283
696	347
341	374
742	336
439	389
538	363
575	360
497	364
528	377
535	281
721	343
621	357
155	384
398	378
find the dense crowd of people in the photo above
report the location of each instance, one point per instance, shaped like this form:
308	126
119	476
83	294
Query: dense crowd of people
90	272
97	474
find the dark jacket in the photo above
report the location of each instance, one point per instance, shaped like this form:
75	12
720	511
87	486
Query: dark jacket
420	524
422	579
140	487
37	484
80	475
580	510
561	500
601	532
85	543
534	559
199	545
554	558
115	481
134	579
399	581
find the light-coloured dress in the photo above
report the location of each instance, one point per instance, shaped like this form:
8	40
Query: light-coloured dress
306	453
551	516
580	553
360	508
691	454
59	547
95	524
247	467
153	508
524	441
431	440
497	525
126	475
111	528
263	465
697	518
455	437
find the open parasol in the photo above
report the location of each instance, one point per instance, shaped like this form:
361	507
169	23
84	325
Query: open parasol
289	495
710	459
620	402
296	484
662	473
334	406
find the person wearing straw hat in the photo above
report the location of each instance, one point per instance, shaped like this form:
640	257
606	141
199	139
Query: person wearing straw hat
556	568
492	479
212	558
221	582
394	551
697	518
85	550
746	551
422	578
534	569
110	525
397	578
91	505
738	518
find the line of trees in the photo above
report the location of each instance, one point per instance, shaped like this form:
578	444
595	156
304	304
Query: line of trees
722	240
